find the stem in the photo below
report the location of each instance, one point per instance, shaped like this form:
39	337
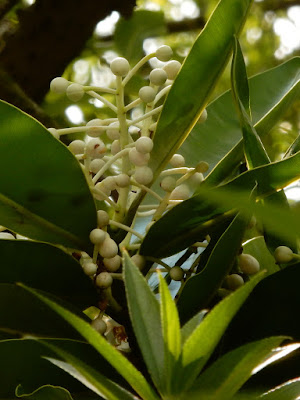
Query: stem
111	300
162	207
109	163
126	228
103	99
116	275
186	176
74	129
158	261
137	67
95	253
107	198
175	171
99	89
146	115
150	191
145	213
134	103
160	94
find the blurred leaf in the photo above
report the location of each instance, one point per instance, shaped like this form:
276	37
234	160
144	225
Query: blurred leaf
201	343
44	191
170	329
192	324
48	268
196	80
227	375
145	317
110	353
46	392
130	33
199	289
287	391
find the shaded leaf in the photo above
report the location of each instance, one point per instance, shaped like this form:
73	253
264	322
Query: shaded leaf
192	324
46	392
287	391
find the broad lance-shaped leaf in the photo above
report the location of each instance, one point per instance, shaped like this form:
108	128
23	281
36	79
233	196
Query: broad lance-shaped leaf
47	268
192	324
196	80
170	330
201	343
227	375
145	316
45	392
287	391
258	249
199	289
111	354
45	191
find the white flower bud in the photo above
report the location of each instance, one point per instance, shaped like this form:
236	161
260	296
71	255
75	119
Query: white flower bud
138	158
181	192
203	117
103	218
59	85
248	264
89	268
122	180
96	165
168	183
283	254
120	66
143	175
54	132
112	264
234	281
93	127
113	132
195	180
75	92
164	53
176	273
77	146
139	261
104	280
144	144
158	76
97	236
147	94
6	235
109	183
103	189
95	148
202	167
177	161
172	69
115	147
99	325
108	248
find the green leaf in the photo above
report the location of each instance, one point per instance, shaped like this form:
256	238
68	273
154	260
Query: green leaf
199	289
47	392
287	391
111	354
48	268
196	80
130	33
88	376
272	93
45	190
192	324
170	330
228	374
199	346
145	316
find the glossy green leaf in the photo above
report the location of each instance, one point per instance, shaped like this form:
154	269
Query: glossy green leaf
130	33
272	93
88	376
199	289
228	374
47	392
287	391
48	268
192	324
145	317
45	191
170	330
110	353
199	346
196	80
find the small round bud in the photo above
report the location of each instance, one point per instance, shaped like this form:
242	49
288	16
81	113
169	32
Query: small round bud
139	261
177	161
59	85
164	53
96	165
203	117
103	189
108	248
113	132
85	258
234	281
75	92
144	145
168	184
104	280
77	146
103	218
158	76
115	147
119	66
248	264
147	94
89	268
202	167
283	254
6	235
99	325
122	180
176	273
93	127
112	264
181	192
54	132
97	236
143	175
137	158
109	183
195	180
172	69
95	148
